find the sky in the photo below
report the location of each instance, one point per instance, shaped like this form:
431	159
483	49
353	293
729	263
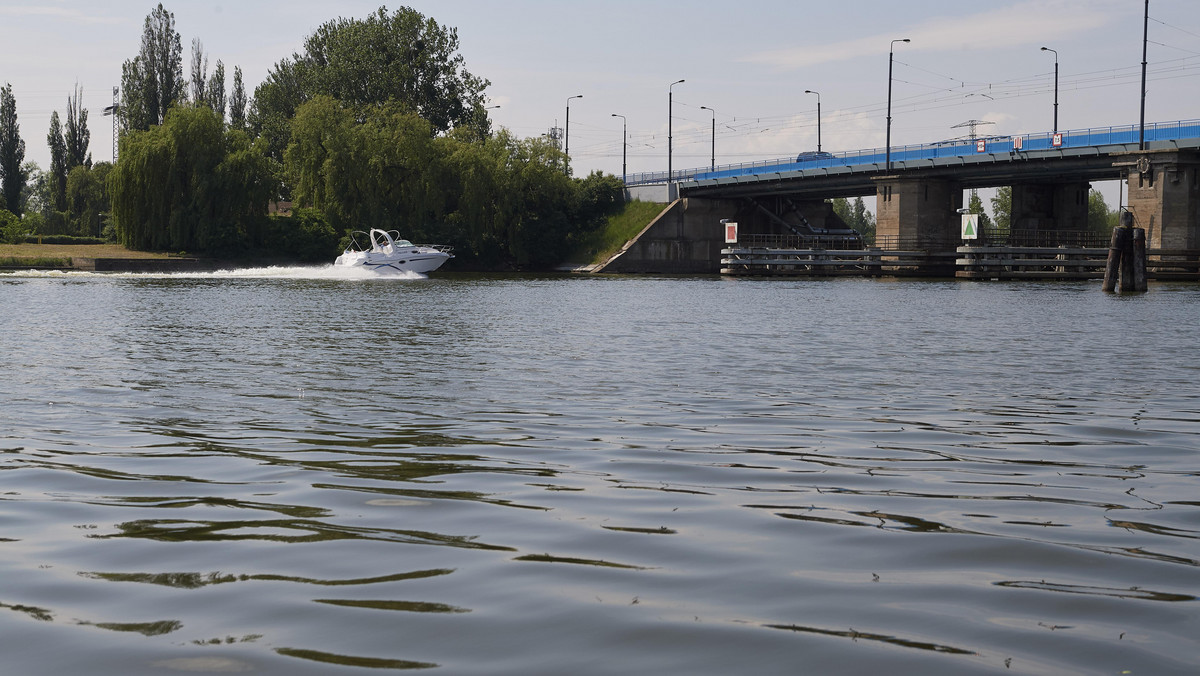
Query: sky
745	67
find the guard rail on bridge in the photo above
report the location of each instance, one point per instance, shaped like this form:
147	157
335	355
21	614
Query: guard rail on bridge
1160	132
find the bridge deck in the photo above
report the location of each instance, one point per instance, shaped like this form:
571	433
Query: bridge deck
980	162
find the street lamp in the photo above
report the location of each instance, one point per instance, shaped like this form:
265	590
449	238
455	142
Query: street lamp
809	91
670	113
713	160
624	144
114	110
1047	49
888	152
567	131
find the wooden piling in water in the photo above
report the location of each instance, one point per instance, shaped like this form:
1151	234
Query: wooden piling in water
1121	238
1138	255
1126	258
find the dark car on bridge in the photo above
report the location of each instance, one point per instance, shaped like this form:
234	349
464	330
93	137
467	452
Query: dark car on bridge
813	155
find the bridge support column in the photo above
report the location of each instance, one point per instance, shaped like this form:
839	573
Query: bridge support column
917	213
1164	196
1048	207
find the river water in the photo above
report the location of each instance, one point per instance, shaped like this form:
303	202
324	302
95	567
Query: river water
285	472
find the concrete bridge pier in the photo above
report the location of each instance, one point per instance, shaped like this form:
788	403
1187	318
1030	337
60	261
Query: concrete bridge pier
917	213
1164	196
1048	207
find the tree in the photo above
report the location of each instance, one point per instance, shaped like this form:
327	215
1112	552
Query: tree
237	101
58	165
1002	208
401	56
11	228
189	185
975	206
153	80
841	209
856	215
365	175
1100	219
862	220
215	90
87	198
76	135
199	73
12	152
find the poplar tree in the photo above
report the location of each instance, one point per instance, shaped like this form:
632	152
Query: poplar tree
76	134
237	101
58	164
214	91
12	152
153	80
199	73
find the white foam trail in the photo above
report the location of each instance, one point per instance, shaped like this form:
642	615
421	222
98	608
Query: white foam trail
323	272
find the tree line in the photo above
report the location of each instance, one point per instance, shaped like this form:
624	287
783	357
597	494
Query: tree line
376	122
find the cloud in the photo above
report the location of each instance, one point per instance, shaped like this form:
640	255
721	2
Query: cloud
1020	23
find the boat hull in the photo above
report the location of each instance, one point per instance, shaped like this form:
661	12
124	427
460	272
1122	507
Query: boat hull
415	261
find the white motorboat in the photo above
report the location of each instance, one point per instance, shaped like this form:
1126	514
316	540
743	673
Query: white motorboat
387	252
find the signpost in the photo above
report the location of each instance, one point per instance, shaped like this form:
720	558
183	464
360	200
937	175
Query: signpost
970	226
730	231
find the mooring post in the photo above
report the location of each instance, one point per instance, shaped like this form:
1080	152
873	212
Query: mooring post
1121	237
1138	254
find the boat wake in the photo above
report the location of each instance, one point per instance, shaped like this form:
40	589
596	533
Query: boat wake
321	272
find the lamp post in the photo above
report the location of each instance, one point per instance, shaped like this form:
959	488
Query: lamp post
809	91
624	144
888	152
1145	35
1047	49
713	159
670	113
567	131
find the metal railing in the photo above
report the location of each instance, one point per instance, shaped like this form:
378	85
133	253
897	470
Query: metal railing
1075	239
1077	138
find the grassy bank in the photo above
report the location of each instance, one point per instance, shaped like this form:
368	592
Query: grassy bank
621	228
23	252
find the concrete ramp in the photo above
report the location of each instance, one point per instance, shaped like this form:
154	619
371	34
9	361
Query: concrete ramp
686	238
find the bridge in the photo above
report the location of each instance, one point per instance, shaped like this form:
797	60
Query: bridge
918	197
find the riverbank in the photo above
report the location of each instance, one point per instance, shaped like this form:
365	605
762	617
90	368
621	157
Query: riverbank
92	257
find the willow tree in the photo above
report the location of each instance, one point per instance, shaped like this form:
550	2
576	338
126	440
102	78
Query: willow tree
189	185
361	174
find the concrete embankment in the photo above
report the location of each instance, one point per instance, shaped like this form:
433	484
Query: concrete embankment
686	238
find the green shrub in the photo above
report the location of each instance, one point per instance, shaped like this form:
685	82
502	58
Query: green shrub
305	235
60	239
11	228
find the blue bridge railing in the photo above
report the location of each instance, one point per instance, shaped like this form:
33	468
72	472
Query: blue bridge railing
1078	138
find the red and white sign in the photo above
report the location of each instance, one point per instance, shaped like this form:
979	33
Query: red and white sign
1056	140
1018	142
980	146
730	233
